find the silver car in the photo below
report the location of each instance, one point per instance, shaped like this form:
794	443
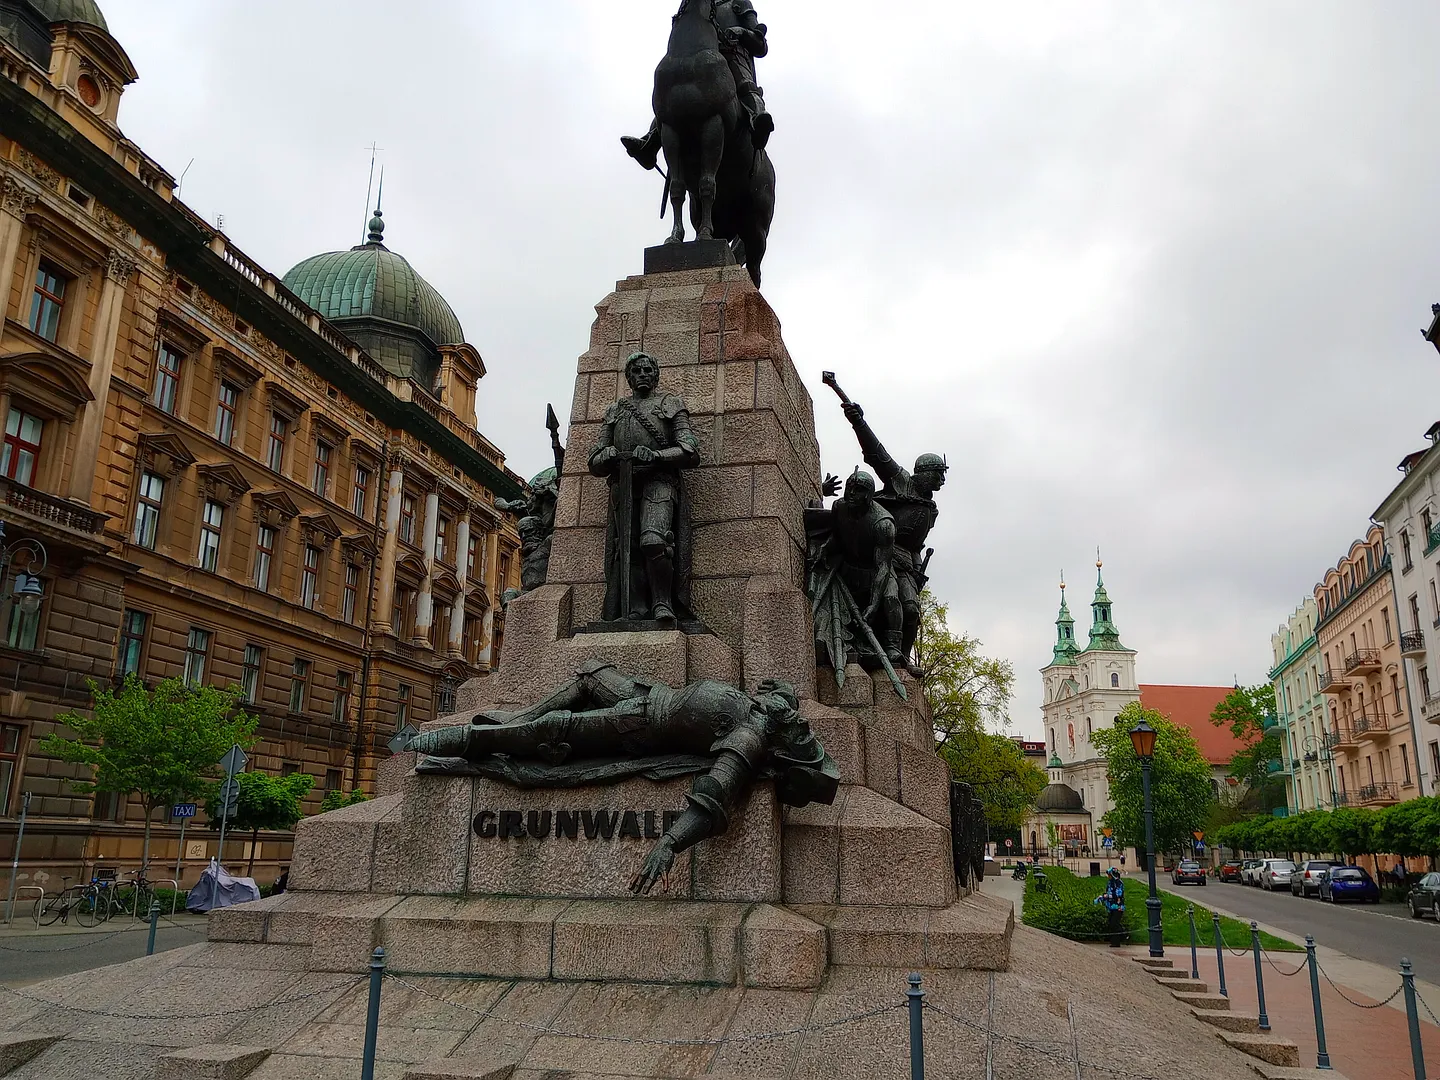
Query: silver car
1275	873
1248	869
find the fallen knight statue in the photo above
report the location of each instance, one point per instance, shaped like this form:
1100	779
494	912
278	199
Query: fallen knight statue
603	727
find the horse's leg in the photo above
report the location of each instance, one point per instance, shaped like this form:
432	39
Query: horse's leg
712	150
675	162
754	242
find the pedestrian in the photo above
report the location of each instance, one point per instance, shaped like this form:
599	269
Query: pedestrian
1122	861
1114	900
281	882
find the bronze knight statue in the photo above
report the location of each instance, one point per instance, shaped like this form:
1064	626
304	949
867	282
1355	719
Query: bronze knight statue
537	512
604	727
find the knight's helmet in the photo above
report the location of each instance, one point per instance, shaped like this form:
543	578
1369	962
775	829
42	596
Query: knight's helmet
930	461
860	480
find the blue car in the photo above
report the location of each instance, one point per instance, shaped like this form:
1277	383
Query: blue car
1348	883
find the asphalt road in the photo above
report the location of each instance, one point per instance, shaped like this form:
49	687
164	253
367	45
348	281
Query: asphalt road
33	957
1380	933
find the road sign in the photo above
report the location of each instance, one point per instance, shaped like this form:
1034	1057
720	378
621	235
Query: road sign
234	760
1199	845
229	797
182	810
1009	844
1107	841
402	738
1199	834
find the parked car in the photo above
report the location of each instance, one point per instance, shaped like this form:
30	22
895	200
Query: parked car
1349	883
1230	871
1248	869
1275	873
1188	870
1307	879
1425	896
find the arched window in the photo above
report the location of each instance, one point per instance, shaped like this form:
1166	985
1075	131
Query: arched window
1114	678
1052	741
1089	730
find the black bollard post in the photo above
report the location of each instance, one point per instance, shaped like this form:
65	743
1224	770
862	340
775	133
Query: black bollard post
372	1014
1259	975
1322	1056
154	922
1412	1017
1194	947
916	998
1220	955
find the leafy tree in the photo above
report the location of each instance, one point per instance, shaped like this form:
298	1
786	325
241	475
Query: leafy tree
1244	712
1179	781
965	688
335	799
264	802
160	744
1005	781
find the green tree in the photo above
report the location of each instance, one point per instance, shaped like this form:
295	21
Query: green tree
264	802
335	799
1179	781
1245	711
966	689
1005	781
160	744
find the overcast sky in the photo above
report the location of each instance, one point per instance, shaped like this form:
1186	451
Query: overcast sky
1151	275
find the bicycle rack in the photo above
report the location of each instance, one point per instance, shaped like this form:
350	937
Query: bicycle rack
32	888
174	892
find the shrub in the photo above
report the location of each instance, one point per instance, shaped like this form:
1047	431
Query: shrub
1067	906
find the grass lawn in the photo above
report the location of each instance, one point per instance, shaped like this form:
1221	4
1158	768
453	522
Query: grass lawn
1067	908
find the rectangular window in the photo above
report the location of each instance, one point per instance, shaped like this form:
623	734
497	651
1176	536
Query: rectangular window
1405	762
275	446
47	301
402	707
1405	548
147	510
360	491
407	518
320	481
10	743
310	578
1395	690
352	592
472	559
1385	616
132	642
440	628
504	572
470	642
332	780
250	673
1414	612
1435	760
341	712
264	555
209	555
197	654
23	626
167	379
400	617
299	675
442	526
22	446
227	403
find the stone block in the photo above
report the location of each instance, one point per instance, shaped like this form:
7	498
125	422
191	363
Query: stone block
557	866
720	604
210	1061
973	933
1227	1020
664	261
967	935
436	839
776	497
576	554
779	638
735	548
648	941
335	851
390	772
695	384
924	782
856	691
603	391
882	760
781	950
811	864
344	939
708	657
594	503
744	863
18	1047
461	1068
891	855
720	493
1268	1048
391	869
567	502
739	393
497	937
839	733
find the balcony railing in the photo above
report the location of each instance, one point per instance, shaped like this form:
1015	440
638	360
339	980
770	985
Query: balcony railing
1345	735
1329	740
1274	766
1380	724
1362	662
1331	683
1412	644
1377	793
1342	798
61	511
1432	538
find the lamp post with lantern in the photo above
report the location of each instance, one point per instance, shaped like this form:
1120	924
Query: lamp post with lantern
30	558
1142	738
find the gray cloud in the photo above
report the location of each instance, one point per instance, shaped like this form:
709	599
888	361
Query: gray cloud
1150	276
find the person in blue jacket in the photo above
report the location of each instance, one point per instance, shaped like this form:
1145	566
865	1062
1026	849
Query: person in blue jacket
1114	900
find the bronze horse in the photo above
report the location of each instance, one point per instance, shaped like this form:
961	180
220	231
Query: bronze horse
707	143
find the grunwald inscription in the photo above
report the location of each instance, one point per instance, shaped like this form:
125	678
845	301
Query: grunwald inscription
574	824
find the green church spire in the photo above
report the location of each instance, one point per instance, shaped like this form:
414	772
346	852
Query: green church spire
1065	648
1103	634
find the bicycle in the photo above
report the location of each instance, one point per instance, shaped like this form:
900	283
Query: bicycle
79	899
132	897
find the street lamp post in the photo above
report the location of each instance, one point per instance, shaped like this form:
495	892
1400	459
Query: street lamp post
28	589
1142	738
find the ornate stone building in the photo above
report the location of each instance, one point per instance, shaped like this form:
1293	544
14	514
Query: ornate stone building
1309	760
237	479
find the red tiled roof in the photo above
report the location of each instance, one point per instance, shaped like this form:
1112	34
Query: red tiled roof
1190	707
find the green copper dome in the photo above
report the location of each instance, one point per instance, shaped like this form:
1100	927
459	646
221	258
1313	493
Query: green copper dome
75	11
371	282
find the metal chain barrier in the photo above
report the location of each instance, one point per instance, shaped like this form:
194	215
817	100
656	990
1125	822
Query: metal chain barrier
84	944
1360	1004
1026	1044
203	929
352	982
540	1029
1266	954
1426	1005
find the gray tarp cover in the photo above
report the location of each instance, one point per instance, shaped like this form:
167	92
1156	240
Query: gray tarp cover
217	888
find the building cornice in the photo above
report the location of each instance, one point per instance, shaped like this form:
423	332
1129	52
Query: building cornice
1290	660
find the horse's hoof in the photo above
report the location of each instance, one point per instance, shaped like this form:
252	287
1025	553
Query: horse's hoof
674	240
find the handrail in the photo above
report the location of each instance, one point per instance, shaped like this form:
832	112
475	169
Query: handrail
174	893
36	915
